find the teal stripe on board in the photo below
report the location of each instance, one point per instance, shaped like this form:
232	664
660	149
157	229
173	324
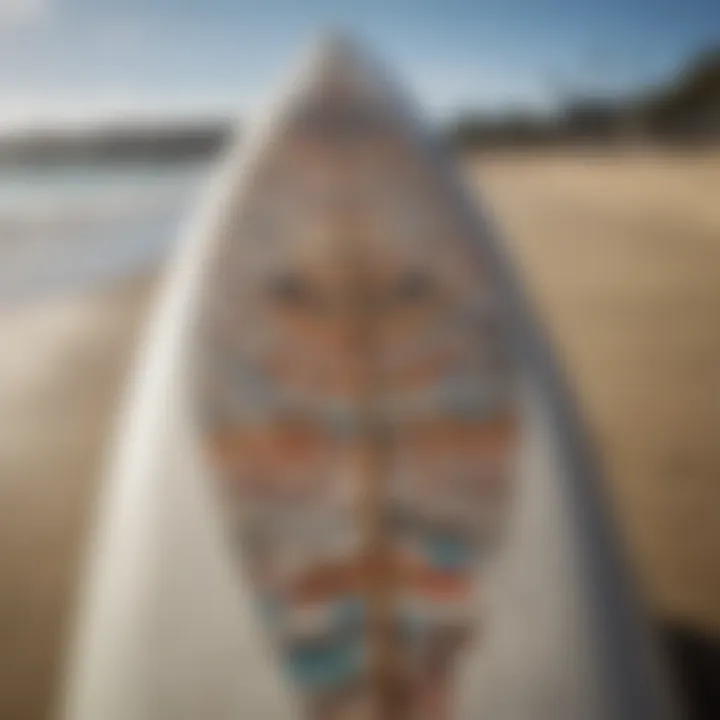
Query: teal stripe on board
449	553
322	667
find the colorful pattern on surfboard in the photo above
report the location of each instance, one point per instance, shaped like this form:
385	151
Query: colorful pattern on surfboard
357	401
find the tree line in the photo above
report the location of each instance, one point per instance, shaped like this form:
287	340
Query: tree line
685	109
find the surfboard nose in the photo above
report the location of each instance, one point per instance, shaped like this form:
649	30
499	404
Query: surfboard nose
335	56
337	77
333	47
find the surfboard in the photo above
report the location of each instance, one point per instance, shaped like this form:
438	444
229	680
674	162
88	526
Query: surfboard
354	393
345	433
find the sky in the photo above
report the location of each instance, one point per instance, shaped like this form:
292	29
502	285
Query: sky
78	60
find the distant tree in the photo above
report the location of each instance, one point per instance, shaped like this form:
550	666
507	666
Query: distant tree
690	105
685	108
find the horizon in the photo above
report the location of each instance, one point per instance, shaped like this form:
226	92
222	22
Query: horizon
84	63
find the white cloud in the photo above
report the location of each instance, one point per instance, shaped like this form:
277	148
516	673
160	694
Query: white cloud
21	12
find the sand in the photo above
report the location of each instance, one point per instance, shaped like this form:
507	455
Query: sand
621	253
61	370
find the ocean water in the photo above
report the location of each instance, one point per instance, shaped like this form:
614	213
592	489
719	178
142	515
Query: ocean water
68	226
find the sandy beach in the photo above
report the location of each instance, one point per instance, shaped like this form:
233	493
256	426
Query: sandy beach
622	255
61	371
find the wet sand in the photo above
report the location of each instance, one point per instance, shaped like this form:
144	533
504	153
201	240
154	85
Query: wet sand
622	255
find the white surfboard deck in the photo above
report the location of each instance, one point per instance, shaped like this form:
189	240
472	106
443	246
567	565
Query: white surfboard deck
166	629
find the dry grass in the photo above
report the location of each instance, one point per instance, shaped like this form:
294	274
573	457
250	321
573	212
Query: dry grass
622	254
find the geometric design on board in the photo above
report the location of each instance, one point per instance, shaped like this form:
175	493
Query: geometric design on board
357	398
